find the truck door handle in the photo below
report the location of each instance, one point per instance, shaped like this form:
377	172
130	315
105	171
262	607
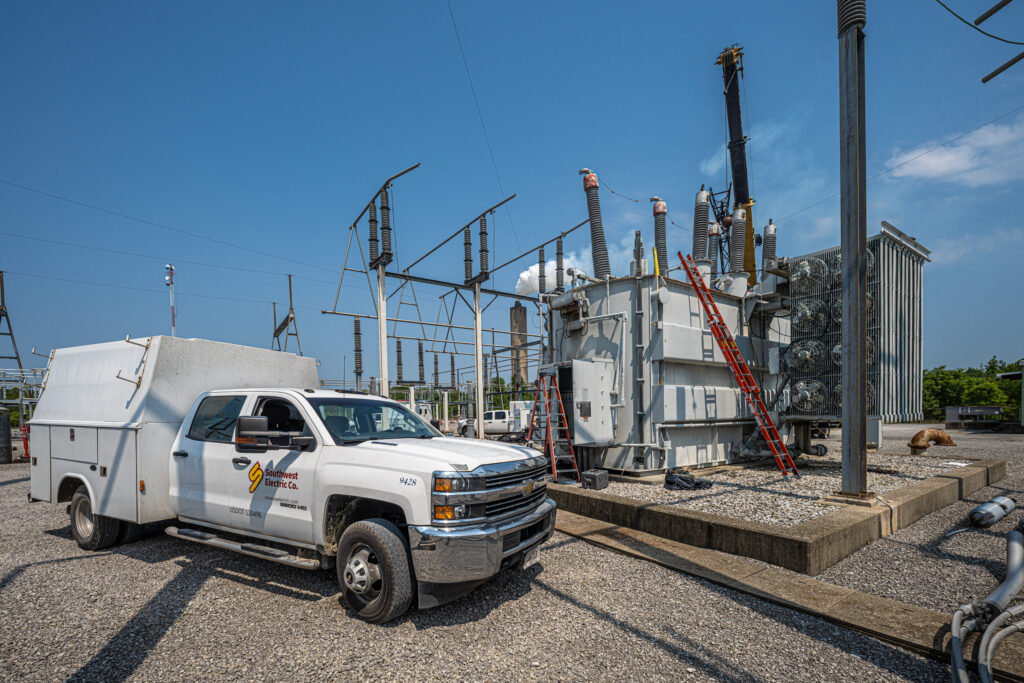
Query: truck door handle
241	461
180	454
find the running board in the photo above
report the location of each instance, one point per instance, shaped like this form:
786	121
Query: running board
250	549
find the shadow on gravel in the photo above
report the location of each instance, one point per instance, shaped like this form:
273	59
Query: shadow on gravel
687	650
19	570
15	481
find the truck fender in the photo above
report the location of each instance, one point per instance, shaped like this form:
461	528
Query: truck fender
327	537
69	484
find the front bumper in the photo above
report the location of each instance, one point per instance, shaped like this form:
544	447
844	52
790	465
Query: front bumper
475	553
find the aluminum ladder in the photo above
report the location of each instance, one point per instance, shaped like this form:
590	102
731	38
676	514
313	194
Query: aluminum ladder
740	371
556	436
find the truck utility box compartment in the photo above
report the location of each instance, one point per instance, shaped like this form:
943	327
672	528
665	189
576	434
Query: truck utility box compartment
109	413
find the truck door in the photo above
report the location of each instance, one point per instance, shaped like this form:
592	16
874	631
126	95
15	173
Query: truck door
272	492
201	459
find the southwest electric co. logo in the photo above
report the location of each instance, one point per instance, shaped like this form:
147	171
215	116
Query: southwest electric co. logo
255	476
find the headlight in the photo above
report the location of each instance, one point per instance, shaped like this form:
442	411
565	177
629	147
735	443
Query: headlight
450	485
451	512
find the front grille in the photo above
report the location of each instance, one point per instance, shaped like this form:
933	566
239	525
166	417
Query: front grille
514	538
495	481
520	503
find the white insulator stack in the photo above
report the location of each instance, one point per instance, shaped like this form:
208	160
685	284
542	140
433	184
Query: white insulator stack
737	241
768	259
700	226
714	235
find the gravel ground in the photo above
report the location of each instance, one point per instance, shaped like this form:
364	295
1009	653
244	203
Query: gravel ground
919	565
760	494
165	609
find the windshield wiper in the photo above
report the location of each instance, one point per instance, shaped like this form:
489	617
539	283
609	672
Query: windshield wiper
352	442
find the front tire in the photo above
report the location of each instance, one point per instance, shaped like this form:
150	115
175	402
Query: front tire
373	571
91	531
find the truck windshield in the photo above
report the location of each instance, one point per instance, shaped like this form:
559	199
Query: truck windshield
354	420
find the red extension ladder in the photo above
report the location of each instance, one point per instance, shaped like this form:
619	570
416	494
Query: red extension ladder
740	371
555	435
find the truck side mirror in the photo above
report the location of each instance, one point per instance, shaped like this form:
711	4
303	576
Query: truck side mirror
252	431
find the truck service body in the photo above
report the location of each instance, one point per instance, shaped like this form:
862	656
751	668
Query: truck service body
238	449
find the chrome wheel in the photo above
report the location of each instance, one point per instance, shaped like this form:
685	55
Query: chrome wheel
83	520
362	573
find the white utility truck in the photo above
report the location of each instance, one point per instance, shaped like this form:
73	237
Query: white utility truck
238	448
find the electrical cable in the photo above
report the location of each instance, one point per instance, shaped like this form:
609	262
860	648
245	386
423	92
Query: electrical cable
907	161
979	30
483	126
162	226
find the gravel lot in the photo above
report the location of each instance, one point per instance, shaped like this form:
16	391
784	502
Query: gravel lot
919	565
760	494
164	609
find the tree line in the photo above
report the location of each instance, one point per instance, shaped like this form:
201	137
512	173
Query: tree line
978	386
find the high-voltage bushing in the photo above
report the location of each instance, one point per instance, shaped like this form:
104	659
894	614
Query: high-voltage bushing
357	339
737	241
541	275
436	374
598	247
638	251
660	234
809	317
422	375
559	265
385	223
807	356
374	243
808	395
398	358
484	254
714	237
809	274
467	245
768	258
701	207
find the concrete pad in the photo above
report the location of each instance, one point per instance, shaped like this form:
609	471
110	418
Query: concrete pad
969	479
800	592
913	628
923	498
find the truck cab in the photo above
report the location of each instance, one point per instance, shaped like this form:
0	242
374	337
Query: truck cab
309	478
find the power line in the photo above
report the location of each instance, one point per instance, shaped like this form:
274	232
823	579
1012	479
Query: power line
162	226
890	169
483	126
133	289
119	252
979	30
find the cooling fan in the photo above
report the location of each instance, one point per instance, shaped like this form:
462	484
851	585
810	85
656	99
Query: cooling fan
837	395
837	267
837	307
869	352
807	356
808	395
809	317
807	274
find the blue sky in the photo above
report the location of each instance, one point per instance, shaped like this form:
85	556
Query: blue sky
269	125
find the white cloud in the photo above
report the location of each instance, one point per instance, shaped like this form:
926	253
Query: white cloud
528	279
990	155
948	250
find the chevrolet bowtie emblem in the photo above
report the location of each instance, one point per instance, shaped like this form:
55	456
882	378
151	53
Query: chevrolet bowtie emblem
528	488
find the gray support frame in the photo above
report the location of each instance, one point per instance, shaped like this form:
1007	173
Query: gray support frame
853	201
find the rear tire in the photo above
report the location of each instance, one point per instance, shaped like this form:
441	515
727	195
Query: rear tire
91	531
373	571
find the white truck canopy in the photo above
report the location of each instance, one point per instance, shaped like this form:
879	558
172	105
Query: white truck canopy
155	379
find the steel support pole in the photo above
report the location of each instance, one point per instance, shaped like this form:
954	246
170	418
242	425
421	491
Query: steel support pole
444	410
478	359
382	331
853	206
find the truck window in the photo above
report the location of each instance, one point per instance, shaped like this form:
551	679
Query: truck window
488	416
215	419
355	420
500	415
281	416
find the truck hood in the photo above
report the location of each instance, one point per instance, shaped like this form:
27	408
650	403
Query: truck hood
445	453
